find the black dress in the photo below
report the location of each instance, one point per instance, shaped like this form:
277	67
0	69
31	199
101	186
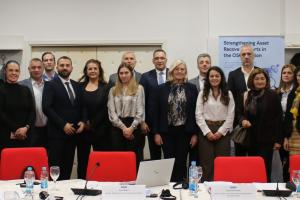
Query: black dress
16	111
95	103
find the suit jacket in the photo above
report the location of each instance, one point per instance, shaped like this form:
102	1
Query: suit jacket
287	120
28	83
113	78
58	108
161	108
195	81
268	122
237	86
150	84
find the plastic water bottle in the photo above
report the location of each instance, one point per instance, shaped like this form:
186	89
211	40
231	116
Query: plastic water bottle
44	179
193	174
29	178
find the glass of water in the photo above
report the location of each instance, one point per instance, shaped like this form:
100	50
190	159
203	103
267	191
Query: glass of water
198	178
54	173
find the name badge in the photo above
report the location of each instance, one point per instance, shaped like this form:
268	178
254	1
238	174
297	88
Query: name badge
124	192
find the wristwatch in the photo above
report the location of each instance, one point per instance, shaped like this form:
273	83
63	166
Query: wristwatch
27	126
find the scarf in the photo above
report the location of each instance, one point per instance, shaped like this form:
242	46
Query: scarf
252	103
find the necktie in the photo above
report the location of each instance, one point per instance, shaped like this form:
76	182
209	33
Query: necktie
71	95
160	78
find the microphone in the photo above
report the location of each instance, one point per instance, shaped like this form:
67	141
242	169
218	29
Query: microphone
277	192
85	191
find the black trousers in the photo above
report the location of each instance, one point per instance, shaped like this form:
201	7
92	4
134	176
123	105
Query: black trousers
120	143
83	152
61	153
38	137
266	152
176	143
155	150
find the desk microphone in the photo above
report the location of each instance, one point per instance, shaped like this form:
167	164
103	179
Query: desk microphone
85	191
277	192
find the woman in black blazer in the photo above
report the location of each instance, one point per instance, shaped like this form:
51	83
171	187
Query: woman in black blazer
95	96
262	116
175	125
286	92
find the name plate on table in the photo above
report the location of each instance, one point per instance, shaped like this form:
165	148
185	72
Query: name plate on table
233	192
124	192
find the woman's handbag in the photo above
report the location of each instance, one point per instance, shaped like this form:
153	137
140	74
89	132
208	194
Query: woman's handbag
241	136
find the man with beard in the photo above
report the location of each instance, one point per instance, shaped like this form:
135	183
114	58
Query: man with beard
62	106
48	60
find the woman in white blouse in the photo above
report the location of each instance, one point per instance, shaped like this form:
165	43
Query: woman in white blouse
126	110
214	116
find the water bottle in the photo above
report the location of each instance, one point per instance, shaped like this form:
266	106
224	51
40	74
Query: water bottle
44	179
193	175
29	178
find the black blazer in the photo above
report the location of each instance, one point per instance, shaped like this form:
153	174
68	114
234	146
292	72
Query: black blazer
161	108
99	120
150	84
237	86
58	108
287	120
269	121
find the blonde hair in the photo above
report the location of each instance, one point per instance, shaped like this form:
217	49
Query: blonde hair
132	85
175	64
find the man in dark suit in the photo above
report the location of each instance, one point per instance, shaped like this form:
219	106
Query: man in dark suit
129	59
62	106
150	81
38	135
237	83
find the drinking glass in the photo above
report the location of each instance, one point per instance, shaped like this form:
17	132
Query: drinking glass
54	173
296	181
198	178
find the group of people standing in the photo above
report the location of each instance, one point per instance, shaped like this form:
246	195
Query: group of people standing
180	117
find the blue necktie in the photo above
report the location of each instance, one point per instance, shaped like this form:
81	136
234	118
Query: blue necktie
160	78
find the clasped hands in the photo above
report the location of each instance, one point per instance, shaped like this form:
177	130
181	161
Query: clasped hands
69	129
213	136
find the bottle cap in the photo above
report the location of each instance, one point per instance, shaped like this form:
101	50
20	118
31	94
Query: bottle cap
44	168
29	168
193	163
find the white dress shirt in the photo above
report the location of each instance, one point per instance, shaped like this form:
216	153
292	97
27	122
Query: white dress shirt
246	75
41	119
201	82
284	98
214	110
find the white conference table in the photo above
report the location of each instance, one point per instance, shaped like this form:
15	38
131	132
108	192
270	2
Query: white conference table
65	191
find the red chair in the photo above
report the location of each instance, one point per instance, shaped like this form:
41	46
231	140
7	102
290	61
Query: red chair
240	169
15	160
294	164
113	166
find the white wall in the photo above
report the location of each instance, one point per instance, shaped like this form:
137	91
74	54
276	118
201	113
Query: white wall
186	28
180	26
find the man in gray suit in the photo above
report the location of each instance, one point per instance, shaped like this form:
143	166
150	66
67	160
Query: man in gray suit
203	63
38	135
129	59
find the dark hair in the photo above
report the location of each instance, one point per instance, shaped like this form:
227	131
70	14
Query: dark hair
48	52
5	67
223	86
85	79
256	71
295	60
297	70
65	58
159	50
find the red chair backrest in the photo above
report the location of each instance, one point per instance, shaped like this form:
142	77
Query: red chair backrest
240	169
114	166
15	160
294	164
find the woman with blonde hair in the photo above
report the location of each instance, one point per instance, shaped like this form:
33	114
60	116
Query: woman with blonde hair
175	125
126	110
286	92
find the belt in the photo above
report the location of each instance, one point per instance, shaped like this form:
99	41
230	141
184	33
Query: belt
218	123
